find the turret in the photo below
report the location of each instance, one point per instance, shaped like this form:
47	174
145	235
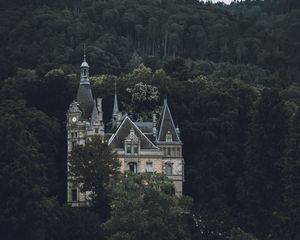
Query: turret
97	118
84	93
116	117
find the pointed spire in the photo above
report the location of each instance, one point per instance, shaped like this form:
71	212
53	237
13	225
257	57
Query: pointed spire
84	53
116	107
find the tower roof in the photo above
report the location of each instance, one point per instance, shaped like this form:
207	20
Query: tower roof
166	125
84	93
85	100
116	107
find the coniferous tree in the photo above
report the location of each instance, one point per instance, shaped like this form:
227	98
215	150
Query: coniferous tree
261	186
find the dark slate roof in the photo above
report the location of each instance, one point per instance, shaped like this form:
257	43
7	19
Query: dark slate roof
85	100
117	139
166	124
145	127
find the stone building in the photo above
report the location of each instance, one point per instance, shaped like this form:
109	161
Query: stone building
153	146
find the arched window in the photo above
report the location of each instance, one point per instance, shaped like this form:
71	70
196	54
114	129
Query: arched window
132	167
84	72
168	169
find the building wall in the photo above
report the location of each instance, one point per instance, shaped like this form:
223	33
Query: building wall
170	154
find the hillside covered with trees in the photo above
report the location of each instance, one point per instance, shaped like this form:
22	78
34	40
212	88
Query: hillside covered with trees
231	74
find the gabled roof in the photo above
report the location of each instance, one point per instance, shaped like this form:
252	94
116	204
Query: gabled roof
117	139
166	124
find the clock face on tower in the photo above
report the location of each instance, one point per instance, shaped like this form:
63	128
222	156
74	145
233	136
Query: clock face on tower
74	119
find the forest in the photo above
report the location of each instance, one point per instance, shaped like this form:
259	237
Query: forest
231	74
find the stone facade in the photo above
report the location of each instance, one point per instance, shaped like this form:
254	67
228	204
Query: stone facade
141	146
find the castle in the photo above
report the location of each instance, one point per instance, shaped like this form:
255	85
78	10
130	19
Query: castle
140	146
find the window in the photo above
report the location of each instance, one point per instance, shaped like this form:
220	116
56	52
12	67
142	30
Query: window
169	169
84	72
74	143
132	167
135	149
74	195
96	130
128	149
74	134
169	137
149	167
169	151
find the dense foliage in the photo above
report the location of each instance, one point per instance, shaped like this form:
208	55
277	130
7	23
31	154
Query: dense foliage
231	75
144	207
91	168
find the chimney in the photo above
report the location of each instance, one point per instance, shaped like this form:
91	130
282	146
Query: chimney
119	118
99	104
154	125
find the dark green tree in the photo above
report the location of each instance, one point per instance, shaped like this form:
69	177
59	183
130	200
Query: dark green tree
93	166
261	187
145	207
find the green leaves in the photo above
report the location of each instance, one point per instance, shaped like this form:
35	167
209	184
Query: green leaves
92	167
143	208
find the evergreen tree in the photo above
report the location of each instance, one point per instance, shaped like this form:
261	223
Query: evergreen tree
261	187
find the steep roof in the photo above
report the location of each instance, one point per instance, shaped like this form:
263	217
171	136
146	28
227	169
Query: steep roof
166	124
145	127
117	139
85	100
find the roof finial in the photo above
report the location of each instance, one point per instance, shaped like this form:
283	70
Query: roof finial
165	100
84	53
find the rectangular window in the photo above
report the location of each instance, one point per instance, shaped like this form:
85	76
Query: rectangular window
74	195
128	149
132	167
74	143
169	151
149	167
75	134
136	149
72	135
168	170
96	130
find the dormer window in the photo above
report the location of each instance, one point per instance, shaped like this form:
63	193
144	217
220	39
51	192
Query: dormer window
135	149
132	143
168	136
128	149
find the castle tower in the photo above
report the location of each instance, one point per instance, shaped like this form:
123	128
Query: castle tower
84	93
169	142
84	119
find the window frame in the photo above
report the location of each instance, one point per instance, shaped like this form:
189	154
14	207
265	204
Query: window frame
74	195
